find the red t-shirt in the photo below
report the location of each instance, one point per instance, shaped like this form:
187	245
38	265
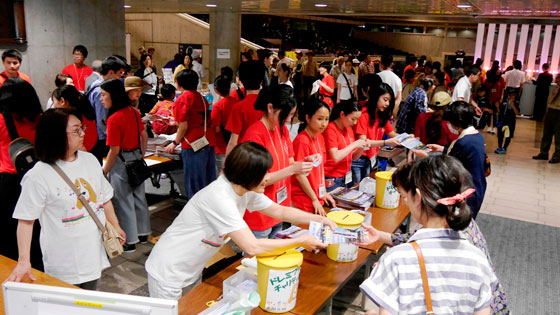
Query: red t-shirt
495	90
371	132
420	130
243	115
409	67
281	149
340	139
20	75
90	137
25	129
123	128
190	107
328	80
220	115
79	75
305	146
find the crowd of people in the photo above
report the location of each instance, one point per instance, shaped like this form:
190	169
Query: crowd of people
238	156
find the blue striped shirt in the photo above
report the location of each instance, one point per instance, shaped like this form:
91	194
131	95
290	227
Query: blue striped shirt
459	276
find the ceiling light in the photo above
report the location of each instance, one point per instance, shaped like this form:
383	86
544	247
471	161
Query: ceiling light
321	5
126	6
464	6
211	5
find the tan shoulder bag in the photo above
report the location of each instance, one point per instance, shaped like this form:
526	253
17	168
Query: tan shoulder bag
427	296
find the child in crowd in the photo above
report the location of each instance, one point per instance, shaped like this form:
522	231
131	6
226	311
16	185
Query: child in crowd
341	145
506	121
461	280
164	123
220	115
309	192
487	118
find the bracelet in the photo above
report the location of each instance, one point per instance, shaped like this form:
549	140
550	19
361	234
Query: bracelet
175	143
383	142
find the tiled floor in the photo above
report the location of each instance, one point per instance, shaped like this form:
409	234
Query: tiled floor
518	188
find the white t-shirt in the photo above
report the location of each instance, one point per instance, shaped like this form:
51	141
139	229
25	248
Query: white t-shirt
514	78
389	77
199	231
462	89
70	241
344	91
199	69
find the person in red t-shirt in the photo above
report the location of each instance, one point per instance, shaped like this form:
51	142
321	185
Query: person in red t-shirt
67	96
19	101
220	115
127	140
195	133
11	59
372	125
430	127
243	113
326	85
341	146
279	105
309	192
78	70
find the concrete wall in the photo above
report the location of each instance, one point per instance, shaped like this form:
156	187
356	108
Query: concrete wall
54	27
430	45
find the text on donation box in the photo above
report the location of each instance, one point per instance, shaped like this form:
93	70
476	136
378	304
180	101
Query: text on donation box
391	196
282	287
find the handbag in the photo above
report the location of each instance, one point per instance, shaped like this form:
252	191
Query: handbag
21	150
137	170
425	285
350	88
109	234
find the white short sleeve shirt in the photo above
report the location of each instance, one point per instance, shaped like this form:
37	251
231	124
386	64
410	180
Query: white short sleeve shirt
462	89
199	231
389	77
344	89
514	78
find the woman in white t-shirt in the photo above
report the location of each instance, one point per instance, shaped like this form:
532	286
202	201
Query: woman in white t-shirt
215	214
346	78
70	240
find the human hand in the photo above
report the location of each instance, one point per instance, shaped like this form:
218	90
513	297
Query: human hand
373	234
310	242
478	110
318	208
360	144
170	148
435	147
420	153
122	234
328	222
302	168
22	269
330	200
393	142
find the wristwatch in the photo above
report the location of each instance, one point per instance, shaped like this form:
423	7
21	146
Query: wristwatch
175	143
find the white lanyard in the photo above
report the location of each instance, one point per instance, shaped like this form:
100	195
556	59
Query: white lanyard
283	164
346	145
315	151
81	74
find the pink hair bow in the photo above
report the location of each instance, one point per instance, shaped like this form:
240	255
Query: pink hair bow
457	198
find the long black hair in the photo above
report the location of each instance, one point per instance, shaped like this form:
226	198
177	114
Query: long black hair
76	100
374	95
438	177
119	98
281	97
18	98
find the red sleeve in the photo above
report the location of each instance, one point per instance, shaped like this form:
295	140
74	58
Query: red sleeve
216	113
331	138
66	70
181	108
363	124
389	127
330	82
114	134
235	120
417	126
286	136
302	147
254	134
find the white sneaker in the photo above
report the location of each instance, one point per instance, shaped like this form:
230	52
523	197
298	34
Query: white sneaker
489	130
494	130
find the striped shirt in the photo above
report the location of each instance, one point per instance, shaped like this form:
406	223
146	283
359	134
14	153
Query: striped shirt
459	276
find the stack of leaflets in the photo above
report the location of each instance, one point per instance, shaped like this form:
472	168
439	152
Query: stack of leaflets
291	232
352	199
339	235
409	142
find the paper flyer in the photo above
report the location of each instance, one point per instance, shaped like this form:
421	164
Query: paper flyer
410	142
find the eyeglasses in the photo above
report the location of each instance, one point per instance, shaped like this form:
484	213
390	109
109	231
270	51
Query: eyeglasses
80	131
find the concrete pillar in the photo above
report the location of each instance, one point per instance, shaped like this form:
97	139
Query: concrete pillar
225	34
54	27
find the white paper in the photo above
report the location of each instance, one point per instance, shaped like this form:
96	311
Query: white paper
222	53
347	252
390	196
167	75
281	291
315	87
151	162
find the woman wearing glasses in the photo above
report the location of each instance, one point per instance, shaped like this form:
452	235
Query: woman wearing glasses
70	240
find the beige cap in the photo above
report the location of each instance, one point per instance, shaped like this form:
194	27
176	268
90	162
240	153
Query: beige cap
441	99
132	83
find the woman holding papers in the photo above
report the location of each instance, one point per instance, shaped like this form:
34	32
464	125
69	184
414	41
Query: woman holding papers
372	125
214	215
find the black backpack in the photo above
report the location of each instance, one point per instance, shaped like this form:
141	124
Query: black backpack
22	151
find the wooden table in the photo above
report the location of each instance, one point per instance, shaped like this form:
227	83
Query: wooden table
6	267
386	220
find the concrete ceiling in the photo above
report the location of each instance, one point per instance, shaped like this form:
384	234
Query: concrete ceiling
525	9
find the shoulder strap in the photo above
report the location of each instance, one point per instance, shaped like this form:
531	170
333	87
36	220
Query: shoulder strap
425	285
4	75
12	131
138	130
350	88
80	196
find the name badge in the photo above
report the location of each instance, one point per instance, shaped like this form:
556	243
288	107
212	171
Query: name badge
322	191
348	178
281	194
199	144
372	160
